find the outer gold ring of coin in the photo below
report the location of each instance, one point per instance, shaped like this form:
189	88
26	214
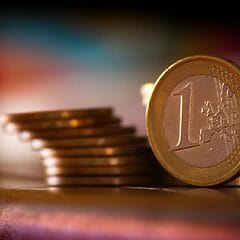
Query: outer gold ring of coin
223	71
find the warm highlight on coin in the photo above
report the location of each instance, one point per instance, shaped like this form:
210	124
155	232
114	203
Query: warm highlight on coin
193	120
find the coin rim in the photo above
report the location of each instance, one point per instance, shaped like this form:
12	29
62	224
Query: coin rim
99	161
128	150
56	114
105	130
92	171
59	124
101	181
102	141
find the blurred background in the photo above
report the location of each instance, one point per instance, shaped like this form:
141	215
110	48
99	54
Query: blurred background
81	56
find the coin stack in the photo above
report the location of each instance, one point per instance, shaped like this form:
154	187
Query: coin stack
86	147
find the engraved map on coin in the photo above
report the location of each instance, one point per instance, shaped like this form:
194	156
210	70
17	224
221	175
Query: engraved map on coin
202	115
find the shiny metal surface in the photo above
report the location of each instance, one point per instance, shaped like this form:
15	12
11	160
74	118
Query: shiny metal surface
193	120
88	142
137	150
94	131
100	161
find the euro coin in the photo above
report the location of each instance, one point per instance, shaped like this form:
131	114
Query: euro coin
99	161
101	181
60	124
99	151
58	114
94	131
88	142
193	120
93	171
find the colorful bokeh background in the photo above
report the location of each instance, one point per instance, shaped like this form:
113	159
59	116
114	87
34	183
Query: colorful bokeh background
95	57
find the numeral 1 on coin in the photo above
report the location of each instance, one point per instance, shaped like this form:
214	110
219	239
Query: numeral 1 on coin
184	140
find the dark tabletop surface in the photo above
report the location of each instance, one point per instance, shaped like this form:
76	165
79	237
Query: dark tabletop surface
29	210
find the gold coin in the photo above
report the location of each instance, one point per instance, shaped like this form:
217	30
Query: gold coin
101	181
106	171
99	151
88	142
48	115
99	161
60	124
76	133
193	120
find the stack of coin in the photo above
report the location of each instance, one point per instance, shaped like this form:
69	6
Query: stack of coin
86	147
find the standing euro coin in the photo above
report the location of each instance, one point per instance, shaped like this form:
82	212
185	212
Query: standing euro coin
193	120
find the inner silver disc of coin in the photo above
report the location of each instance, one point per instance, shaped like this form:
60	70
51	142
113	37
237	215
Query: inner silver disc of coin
202	121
